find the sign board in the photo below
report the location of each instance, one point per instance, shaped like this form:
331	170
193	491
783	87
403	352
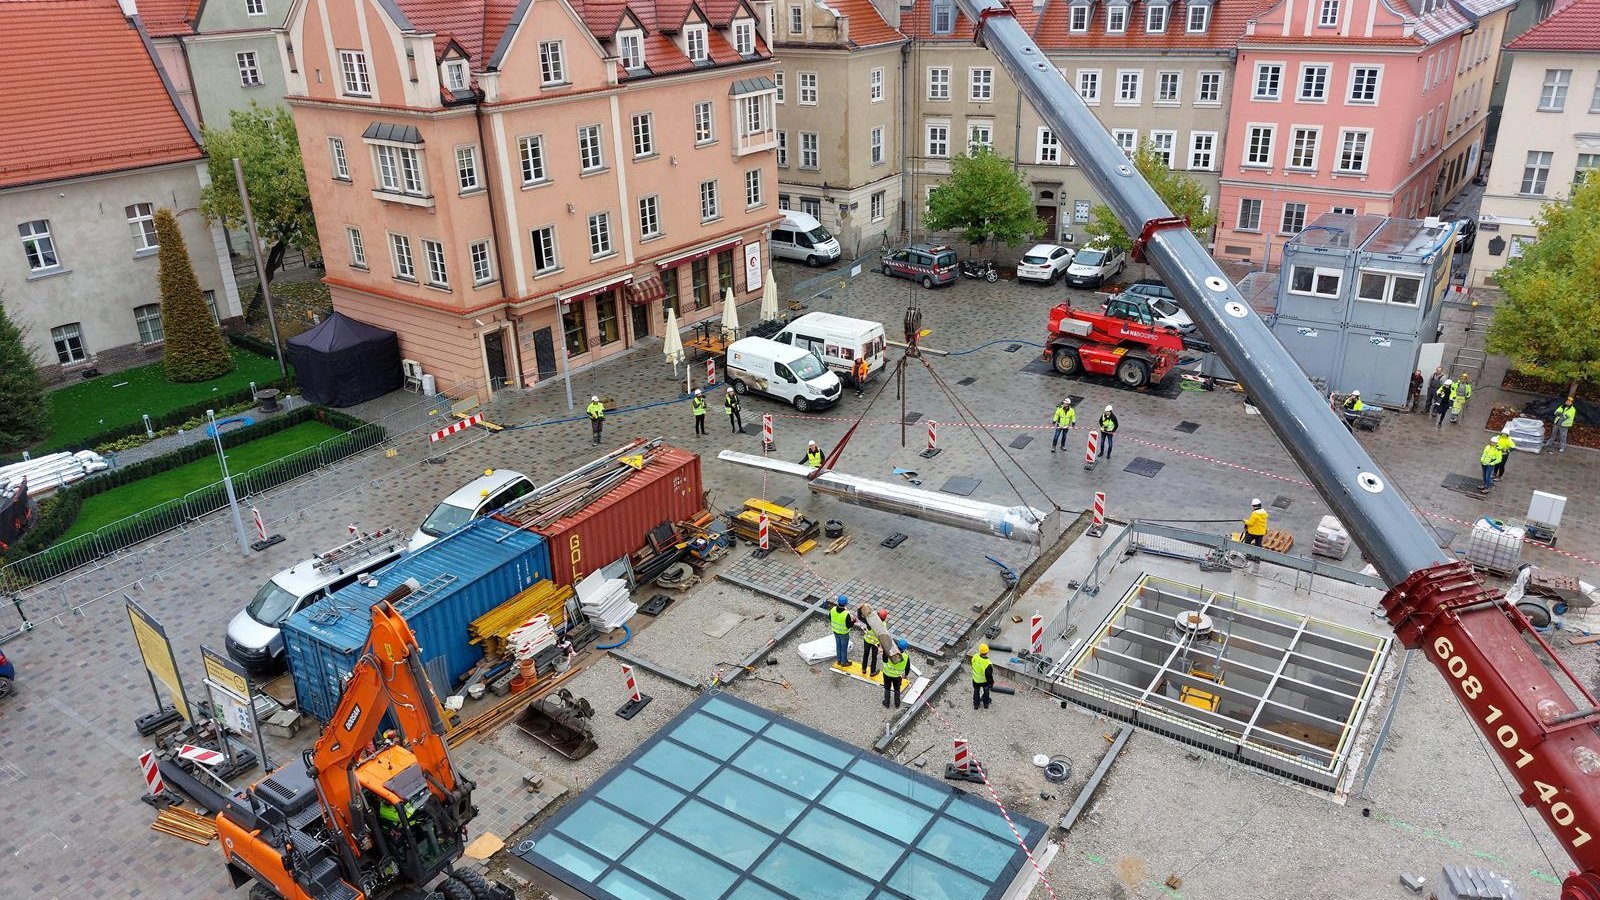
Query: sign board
234	711
233	697
157	653
225	673
752	266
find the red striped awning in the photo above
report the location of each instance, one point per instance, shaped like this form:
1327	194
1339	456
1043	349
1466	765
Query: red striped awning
646	290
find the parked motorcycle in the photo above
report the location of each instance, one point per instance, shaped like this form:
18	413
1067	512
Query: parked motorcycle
984	269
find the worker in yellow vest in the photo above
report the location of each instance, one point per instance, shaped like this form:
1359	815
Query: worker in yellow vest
839	619
1460	393
870	647
1561	420
1505	444
894	672
597	416
982	677
1108	430
1255	524
813	456
698	406
1490	458
1064	418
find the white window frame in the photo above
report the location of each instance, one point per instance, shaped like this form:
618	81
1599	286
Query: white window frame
744	37
147	322
1310	70
1170	150
1209	161
777	82
705	127
1199	11
1318	276
1390	280
401	257
1127	139
1156	17
644	135
630	49
400	170
1271	131
1213	76
255	7
337	158
936	139
875	206
1350	97
67	341
1163	78
1263	68
754	195
1535	174
1554	89
980	84
782	151
531	162
467	176
1047	148
1594	99
1365	148
980	133
813	151
481	256
696	43
1297	159
600	243
1328	14
543	240
355	78
357	245
649	217
438	270
797	20
1078	18
1283	217
591	149
1122	87
710	203
455	74
249	68
808	88
1259	208
944	17
1117	18
875	145
552	63
1091	79
875	85
938	82
142	227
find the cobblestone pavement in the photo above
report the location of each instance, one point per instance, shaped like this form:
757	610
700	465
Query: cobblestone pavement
67	747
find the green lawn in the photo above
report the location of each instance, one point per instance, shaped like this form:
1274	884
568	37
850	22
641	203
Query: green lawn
90	407
120	502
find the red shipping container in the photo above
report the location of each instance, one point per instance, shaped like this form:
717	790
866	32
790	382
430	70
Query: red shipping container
668	489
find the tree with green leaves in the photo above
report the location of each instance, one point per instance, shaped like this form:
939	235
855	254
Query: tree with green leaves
268	148
193	348
24	402
1184	195
1547	325
984	199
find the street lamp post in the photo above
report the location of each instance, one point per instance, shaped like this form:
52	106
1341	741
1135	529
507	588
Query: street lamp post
227	484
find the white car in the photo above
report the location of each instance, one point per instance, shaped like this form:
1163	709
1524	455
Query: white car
1044	262
478	497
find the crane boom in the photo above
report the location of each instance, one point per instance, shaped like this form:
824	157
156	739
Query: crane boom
1542	727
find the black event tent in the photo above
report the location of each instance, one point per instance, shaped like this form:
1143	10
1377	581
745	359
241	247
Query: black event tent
342	362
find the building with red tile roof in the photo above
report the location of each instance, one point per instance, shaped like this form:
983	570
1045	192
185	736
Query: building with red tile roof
520	188
83	173
1356	107
1548	143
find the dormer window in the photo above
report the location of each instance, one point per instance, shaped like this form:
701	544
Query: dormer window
1078	18
1155	18
744	37
1199	18
1117	17
944	16
694	43
455	74
630	49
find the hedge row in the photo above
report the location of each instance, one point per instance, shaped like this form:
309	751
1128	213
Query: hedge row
246	341
57	514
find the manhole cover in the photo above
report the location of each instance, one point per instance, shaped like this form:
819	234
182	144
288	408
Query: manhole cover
1149	468
1281	502
1461	484
1021	442
968	380
1012	348
1188	427
960	485
912	417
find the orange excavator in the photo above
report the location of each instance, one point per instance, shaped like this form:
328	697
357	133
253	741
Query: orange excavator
375	806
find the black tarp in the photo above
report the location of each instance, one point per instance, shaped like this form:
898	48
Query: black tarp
342	362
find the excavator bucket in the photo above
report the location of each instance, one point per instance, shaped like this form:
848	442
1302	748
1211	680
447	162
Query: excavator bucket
561	723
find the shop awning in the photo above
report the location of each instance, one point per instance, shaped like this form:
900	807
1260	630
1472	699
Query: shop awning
700	253
592	289
647	290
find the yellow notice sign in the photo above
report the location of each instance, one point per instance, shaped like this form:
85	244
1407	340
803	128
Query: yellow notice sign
225	673
157	653
635	461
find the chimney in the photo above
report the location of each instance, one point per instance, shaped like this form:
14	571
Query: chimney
130	8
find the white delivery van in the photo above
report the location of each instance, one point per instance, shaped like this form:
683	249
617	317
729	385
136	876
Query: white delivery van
255	636
795	376
800	236
837	340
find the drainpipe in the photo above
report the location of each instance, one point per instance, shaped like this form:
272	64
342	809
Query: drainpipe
905	155
486	173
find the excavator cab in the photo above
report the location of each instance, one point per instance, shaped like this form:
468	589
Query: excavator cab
417	832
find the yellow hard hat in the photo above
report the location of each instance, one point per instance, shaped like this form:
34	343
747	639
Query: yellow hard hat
983	649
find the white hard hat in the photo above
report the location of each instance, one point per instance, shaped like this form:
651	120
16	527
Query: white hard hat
730	390
812	443
595	399
1506	430
1255	501
1067	402
697	392
1355	393
1448	381
1108	407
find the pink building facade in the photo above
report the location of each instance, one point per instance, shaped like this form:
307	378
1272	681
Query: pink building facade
520	187
1353	106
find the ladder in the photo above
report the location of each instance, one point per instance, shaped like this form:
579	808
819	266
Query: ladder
361	547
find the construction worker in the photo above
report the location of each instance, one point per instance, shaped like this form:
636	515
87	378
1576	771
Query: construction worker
1441	402
1560	421
1414	392
698	404
1504	442
1490	458
1064	418
982	677
813	456
730	405
1433	383
1255	524
870	659
1459	395
860	372
1353	402
597	417
1108	427
895	672
839	619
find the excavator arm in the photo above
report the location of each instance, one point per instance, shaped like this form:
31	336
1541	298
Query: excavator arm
1542	726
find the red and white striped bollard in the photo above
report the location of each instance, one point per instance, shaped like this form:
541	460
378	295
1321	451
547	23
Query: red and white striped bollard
766	432
261	527
711	371
633	686
933	436
152	773
1090	455
1098	526
963	762
761	530
636	700
1036	633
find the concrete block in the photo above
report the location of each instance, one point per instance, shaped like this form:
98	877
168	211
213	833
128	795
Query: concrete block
284	723
1412	883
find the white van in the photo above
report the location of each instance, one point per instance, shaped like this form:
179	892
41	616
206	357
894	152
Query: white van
255	638
795	376
837	340
800	236
478	497
1095	265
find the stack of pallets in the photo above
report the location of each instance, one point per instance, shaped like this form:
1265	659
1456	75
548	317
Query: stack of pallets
543	598
796	530
181	823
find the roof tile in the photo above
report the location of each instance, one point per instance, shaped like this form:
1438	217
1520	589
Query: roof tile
1223	30
1574	27
113	115
867	26
168	18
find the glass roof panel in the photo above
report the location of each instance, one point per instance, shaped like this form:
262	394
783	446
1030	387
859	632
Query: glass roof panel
676	765
734	842
722	709
790	771
846	843
791	869
680	868
928	879
710	735
899	780
749	890
810	746
602	830
564	853
875	808
762	804
958	845
642	796
626	887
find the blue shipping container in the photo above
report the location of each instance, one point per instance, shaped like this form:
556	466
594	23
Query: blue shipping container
463	575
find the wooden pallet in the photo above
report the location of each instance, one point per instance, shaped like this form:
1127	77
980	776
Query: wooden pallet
1279	541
